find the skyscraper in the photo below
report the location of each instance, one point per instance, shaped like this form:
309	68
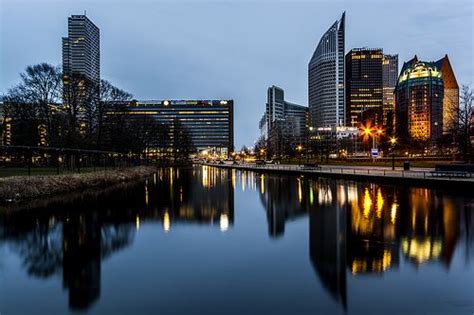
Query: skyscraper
278	110
426	99
81	55
390	75
326	78
275	107
364	87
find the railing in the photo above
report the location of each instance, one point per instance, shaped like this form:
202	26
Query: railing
340	170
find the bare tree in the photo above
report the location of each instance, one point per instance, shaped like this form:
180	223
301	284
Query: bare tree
111	97
31	100
465	123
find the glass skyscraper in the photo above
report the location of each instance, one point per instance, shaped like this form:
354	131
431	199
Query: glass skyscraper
326	78
81	53
364	92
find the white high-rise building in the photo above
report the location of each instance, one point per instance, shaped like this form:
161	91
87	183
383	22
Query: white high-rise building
326	79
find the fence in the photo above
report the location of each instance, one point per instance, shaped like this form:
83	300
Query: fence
341	170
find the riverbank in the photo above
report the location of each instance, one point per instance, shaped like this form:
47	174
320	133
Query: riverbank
20	188
418	177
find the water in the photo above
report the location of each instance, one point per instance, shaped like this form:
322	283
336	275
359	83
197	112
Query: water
210	241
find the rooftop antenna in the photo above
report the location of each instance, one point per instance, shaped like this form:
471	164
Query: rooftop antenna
85	12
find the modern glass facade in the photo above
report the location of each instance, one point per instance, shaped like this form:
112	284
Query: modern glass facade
390	75
81	49
279	110
364	87
209	123
326	78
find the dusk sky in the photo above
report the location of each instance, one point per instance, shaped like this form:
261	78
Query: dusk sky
230	49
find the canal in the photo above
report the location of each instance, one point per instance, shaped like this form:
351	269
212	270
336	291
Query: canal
204	240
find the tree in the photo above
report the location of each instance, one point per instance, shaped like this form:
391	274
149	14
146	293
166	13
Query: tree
29	102
181	141
462	135
110	98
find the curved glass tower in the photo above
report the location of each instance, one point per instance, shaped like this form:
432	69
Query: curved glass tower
326	78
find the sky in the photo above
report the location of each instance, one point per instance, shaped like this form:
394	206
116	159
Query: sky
231	49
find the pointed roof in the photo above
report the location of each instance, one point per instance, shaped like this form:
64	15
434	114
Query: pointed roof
449	79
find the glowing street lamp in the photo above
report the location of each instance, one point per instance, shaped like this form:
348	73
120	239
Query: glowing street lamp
393	142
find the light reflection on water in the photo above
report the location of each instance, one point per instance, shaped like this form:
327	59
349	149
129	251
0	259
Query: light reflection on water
354	231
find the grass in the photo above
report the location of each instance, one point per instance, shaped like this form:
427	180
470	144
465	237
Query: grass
40	171
16	188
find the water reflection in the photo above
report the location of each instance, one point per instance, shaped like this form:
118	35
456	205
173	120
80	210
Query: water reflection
72	238
362	228
356	230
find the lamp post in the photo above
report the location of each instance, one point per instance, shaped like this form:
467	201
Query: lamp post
393	141
372	132
299	148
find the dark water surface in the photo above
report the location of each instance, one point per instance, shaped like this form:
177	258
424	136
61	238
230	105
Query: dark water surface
209	241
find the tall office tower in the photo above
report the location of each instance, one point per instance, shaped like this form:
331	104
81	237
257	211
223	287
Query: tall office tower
326	78
275	107
299	117
81	57
451	94
419	102
390	75
364	87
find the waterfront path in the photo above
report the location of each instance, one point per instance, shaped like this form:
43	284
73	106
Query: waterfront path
419	176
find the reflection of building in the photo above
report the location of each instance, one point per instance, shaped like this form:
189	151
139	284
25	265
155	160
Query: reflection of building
427	96
82	260
73	238
191	196
282	199
326	78
209	123
429	232
327	242
367	229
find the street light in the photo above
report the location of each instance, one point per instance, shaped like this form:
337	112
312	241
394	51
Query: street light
393	142
299	148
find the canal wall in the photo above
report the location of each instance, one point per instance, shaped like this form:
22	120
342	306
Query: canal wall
379	175
20	188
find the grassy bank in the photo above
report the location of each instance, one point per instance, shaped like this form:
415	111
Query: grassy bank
28	187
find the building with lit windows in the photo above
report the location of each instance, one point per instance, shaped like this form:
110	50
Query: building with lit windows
81	56
426	96
364	86
389	78
326	78
284	124
209	123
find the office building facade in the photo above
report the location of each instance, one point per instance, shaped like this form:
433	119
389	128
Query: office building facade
278	109
364	87
390	76
81	56
326	78
419	102
209	123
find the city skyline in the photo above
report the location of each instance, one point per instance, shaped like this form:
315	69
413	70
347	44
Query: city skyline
176	71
